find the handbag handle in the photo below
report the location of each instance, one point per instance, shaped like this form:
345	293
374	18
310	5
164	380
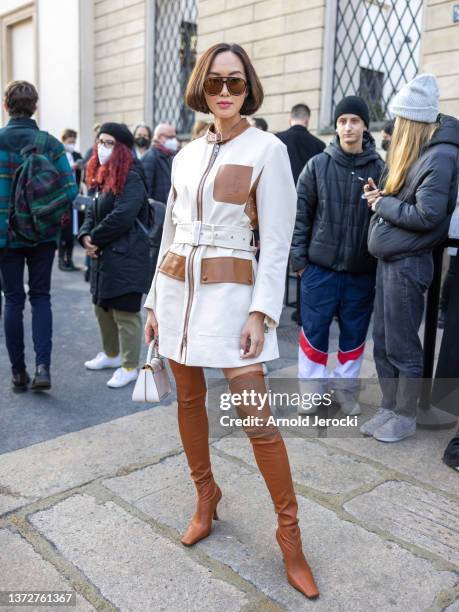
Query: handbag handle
152	351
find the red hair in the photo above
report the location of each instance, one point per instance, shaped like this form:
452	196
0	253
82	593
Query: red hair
112	175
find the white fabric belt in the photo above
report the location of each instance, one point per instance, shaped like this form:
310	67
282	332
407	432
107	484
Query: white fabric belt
227	236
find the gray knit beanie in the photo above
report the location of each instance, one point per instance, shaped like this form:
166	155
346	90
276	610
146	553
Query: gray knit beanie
417	100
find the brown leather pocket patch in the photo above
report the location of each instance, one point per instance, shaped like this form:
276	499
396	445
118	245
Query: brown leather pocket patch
173	265
226	270
232	183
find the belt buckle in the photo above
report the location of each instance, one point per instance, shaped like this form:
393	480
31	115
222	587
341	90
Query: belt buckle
195	232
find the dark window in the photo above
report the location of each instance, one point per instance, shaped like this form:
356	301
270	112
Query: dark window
371	90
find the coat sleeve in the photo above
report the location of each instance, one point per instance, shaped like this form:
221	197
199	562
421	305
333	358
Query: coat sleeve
276	206
166	241
306	211
126	208
431	200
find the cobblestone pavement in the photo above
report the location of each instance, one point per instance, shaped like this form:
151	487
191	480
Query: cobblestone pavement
94	493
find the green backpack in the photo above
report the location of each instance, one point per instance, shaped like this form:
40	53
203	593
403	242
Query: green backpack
38	201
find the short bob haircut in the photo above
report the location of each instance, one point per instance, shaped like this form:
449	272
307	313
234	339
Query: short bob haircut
194	94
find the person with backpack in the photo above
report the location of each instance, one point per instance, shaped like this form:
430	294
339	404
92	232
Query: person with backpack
115	236
36	187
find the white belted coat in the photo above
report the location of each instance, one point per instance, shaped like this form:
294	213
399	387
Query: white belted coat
207	280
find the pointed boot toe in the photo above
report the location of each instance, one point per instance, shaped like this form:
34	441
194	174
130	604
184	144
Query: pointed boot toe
299	574
201	524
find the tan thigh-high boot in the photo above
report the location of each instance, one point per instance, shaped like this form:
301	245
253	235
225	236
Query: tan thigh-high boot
272	460
194	432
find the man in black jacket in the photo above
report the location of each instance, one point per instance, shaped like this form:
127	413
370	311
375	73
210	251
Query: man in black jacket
301	144
157	162
329	250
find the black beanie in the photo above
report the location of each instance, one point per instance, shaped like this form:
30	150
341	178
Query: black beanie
120	131
353	105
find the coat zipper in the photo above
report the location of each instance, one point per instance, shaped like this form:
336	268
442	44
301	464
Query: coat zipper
191	256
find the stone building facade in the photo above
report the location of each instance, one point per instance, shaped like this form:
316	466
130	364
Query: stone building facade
128	60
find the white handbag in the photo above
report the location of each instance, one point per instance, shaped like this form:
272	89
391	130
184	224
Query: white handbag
152	384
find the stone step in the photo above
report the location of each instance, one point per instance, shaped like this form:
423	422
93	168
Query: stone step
132	566
353	566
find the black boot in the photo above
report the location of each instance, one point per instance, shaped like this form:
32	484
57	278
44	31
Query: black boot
20	382
61	254
71	267
451	456
42	379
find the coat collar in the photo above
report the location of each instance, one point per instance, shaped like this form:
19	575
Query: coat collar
22	122
214	137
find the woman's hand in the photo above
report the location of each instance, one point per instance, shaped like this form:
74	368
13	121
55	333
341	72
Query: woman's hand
253	336
91	248
372	193
151	327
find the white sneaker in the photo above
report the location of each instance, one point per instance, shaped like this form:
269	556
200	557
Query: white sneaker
122	377
102	361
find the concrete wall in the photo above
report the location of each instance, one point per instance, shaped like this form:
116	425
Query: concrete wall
59	65
55	48
440	49
285	40
119	66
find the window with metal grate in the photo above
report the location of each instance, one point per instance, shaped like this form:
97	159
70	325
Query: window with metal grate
174	58
377	46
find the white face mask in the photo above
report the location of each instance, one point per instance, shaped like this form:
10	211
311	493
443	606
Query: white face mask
171	144
104	154
70	148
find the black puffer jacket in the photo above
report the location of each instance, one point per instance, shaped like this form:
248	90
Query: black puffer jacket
417	219
122	266
332	218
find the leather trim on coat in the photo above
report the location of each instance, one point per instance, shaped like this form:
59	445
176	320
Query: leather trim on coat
173	265
226	270
232	183
251	204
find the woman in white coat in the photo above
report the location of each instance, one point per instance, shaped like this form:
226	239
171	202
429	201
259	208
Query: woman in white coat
209	305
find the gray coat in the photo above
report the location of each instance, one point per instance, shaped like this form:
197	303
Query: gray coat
417	218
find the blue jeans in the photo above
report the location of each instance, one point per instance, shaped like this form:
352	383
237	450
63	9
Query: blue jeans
399	308
39	260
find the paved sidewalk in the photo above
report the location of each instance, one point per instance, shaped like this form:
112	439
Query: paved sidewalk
96	502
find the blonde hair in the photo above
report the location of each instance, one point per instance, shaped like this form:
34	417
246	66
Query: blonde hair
408	140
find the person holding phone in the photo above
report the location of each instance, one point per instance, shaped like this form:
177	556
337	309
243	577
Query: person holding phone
330	253
211	304
412	215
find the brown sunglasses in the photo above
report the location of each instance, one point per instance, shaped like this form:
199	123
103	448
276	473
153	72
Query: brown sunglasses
214	85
